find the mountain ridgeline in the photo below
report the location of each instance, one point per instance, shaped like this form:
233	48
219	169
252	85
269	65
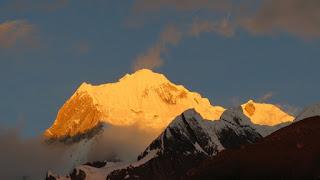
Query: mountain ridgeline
186	142
293	152
146	100
190	132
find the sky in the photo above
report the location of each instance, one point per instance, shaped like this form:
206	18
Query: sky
229	51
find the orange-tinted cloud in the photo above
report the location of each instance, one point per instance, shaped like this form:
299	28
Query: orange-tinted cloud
172	36
152	58
16	32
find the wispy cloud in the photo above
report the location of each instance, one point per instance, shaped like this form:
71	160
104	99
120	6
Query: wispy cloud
266	17
172	35
297	17
152	58
16	32
265	97
222	27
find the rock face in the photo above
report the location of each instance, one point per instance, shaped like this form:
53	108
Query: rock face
293	152
145	99
188	140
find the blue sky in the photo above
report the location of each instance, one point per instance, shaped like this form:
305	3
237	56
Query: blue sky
47	48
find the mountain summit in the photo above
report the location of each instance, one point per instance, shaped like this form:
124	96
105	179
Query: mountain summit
145	99
265	114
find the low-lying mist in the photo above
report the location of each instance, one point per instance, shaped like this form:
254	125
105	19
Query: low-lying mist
31	158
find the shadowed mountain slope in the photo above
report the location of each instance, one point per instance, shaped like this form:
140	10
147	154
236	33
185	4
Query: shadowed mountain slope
292	152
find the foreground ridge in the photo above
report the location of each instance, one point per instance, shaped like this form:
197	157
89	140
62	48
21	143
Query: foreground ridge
289	153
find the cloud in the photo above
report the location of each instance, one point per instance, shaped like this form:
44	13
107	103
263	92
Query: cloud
265	97
25	6
300	18
28	158
142	7
149	60
223	27
266	17
152	58
31	158
172	35
297	17
124	143
16	32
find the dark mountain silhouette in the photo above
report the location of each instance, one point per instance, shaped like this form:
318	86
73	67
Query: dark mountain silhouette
292	152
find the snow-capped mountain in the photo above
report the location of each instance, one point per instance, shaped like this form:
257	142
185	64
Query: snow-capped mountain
144	99
265	114
311	111
238	115
187	140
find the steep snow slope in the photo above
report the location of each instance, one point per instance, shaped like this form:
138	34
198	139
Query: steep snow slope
145	99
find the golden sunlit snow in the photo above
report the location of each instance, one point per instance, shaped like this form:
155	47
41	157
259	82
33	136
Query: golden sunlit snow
144	99
265	114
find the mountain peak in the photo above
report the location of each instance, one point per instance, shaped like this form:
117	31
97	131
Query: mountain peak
145	73
146	76
145	99
265	114
84	87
